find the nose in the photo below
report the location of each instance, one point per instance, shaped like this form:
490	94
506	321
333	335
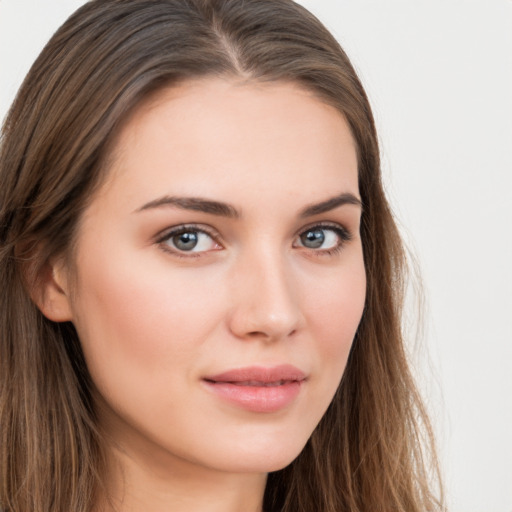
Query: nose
265	299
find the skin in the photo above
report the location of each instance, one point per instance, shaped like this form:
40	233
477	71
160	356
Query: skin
154	321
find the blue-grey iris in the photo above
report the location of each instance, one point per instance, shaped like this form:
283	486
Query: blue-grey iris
185	241
313	239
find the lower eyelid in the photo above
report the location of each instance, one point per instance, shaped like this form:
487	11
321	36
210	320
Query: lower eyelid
343	235
164	240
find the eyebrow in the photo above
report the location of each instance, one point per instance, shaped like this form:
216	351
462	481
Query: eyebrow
194	203
199	204
331	204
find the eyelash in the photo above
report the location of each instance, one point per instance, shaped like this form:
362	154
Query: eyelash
185	228
342	233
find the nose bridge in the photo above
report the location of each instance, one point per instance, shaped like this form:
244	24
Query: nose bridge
265	303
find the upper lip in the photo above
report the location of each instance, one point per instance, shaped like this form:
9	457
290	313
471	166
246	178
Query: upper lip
257	374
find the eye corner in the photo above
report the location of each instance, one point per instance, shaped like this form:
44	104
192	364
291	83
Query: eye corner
196	241
325	238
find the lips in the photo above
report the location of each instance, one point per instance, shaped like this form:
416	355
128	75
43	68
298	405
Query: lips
259	383
258	389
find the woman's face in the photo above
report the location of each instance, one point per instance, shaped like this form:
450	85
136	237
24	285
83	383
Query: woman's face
219	277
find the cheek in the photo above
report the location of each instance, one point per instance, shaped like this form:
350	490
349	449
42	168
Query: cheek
333	312
336	305
134	317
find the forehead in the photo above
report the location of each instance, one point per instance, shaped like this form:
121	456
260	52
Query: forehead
257	136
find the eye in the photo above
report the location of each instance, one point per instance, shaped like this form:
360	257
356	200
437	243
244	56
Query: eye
189	239
323	238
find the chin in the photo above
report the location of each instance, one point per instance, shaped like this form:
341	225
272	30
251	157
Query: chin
260	456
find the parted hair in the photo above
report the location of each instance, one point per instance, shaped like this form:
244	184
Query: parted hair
373	449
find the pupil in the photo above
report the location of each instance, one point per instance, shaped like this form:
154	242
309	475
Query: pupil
185	241
313	239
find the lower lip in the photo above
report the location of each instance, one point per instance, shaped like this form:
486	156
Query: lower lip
257	398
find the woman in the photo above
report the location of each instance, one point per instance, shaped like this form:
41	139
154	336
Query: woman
201	277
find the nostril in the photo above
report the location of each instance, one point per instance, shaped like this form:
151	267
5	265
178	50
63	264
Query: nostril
269	335
256	334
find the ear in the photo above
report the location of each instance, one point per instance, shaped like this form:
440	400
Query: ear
51	291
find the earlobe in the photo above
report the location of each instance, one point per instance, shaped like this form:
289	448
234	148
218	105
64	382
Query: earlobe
51	293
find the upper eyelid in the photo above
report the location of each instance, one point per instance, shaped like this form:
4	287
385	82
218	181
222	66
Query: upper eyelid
202	228
166	233
336	226
209	230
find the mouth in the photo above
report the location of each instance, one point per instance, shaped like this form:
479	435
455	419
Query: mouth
258	389
256	383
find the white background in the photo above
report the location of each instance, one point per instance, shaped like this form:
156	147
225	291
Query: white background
439	76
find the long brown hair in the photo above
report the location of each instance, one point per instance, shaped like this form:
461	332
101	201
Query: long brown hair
373	449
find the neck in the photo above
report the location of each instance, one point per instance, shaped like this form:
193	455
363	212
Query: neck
138	485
